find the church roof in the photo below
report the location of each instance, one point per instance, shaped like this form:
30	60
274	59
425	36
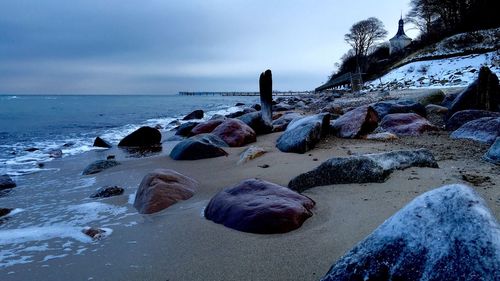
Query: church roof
401	32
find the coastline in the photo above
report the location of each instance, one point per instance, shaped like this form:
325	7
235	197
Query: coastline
179	244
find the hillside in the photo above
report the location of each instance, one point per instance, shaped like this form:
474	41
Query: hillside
452	62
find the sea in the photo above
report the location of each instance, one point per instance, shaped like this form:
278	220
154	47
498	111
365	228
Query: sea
33	126
51	204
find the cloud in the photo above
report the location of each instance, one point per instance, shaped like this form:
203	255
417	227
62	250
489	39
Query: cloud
157	46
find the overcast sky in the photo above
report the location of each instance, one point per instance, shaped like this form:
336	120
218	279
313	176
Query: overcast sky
166	46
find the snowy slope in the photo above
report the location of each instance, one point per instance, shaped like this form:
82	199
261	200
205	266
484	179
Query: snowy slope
451	72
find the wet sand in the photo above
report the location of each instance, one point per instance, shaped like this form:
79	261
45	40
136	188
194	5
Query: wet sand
179	244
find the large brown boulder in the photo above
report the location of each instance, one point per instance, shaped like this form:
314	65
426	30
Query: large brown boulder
235	133
259	206
356	123
142	137
197	114
206	127
161	189
406	124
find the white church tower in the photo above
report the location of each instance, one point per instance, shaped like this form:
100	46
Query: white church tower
400	41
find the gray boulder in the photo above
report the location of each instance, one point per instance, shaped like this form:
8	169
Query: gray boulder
493	154
303	134
99	142
444	234
98	166
185	129
483	93
257	122
484	130
6	182
362	169
197	114
107	191
464	116
142	137
199	147
282	122
401	106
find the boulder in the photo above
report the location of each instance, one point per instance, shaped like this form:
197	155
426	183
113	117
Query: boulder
362	169
162	188
258	206
239	104
199	147
461	117
401	106
303	134
6	182
256	107
4	212
55	153
142	137
484	130
98	142
493	154
406	124
94	233
197	114
107	191
432	96
436	114
235	133
206	127
217	116
251	153
241	112
444	234
98	166
448	99
257	122
185	129
483	93
282	107
384	136
281	123
355	123
333	109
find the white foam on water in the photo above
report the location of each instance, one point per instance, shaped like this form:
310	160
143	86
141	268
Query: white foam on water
51	257
131	198
94	211
31	234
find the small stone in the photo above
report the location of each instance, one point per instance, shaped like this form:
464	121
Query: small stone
94	233
107	191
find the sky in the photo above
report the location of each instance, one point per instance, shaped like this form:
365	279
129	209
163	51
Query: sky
166	46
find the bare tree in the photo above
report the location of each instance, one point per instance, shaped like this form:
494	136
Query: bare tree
365	34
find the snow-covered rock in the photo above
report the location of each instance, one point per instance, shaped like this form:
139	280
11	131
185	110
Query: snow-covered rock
444	234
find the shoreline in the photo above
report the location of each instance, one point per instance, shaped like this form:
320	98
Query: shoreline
178	243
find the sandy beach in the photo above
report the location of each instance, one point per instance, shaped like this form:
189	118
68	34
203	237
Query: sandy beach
180	244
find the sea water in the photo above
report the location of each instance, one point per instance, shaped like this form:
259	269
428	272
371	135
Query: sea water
71	123
51	205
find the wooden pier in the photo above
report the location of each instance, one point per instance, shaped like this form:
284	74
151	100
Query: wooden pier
277	93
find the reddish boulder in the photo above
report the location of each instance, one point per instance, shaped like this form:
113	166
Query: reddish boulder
406	124
355	123
235	133
161	189
258	206
144	136
206	127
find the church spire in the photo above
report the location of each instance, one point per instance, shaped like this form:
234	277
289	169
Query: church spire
401	30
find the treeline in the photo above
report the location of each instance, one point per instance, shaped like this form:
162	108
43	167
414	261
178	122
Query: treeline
436	20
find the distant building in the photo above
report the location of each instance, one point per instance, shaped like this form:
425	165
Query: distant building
400	41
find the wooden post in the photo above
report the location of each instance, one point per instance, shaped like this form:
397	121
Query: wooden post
266	96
